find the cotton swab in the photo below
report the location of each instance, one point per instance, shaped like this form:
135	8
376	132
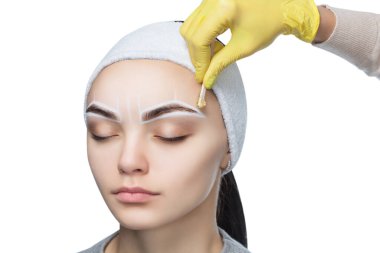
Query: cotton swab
201	100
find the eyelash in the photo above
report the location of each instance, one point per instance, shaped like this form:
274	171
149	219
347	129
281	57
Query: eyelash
173	139
170	140
99	138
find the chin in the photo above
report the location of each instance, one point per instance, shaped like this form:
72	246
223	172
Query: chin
136	220
139	224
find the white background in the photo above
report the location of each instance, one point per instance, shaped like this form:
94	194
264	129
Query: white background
309	173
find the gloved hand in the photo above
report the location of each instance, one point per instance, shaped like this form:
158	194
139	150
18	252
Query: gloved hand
254	25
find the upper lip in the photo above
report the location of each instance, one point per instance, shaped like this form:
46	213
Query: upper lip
134	190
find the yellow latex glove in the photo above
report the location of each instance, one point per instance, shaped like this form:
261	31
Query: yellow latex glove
254	25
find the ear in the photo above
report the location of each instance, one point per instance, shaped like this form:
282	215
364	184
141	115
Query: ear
225	160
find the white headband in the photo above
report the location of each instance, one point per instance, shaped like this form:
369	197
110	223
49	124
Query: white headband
163	41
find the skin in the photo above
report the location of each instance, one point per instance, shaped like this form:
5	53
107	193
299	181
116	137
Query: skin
186	174
326	25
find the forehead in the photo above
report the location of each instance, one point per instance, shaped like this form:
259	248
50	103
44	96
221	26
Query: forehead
148	80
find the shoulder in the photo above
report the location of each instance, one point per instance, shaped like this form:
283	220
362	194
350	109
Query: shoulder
231	245
100	246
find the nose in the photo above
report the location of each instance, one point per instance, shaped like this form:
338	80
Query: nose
133	158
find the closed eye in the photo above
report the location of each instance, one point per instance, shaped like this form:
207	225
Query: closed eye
165	139
172	139
100	138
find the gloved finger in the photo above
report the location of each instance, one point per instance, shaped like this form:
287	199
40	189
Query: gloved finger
202	12
188	28
232	52
200	57
196	23
185	27
215	47
200	43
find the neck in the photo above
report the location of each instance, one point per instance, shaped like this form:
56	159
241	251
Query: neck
198	226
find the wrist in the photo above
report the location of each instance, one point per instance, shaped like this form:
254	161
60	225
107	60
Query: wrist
326	25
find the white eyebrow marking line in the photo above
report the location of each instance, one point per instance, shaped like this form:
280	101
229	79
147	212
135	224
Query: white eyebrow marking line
175	92
198	113
129	110
118	104
139	104
106	107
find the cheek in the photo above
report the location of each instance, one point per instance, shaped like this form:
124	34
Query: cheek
102	160
191	168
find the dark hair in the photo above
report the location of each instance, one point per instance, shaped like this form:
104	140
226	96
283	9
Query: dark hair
230	214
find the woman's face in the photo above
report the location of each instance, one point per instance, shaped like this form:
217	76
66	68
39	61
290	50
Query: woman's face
144	131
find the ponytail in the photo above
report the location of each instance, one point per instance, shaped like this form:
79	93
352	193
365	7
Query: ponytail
230	214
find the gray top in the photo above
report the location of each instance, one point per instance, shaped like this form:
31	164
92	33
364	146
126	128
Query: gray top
230	245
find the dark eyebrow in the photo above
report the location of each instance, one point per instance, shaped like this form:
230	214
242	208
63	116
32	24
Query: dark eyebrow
102	111
165	109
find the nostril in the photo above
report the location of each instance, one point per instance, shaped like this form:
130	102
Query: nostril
129	170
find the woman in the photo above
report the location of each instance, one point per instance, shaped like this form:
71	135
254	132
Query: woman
163	166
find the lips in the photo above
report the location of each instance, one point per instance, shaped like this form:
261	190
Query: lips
134	195
134	190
